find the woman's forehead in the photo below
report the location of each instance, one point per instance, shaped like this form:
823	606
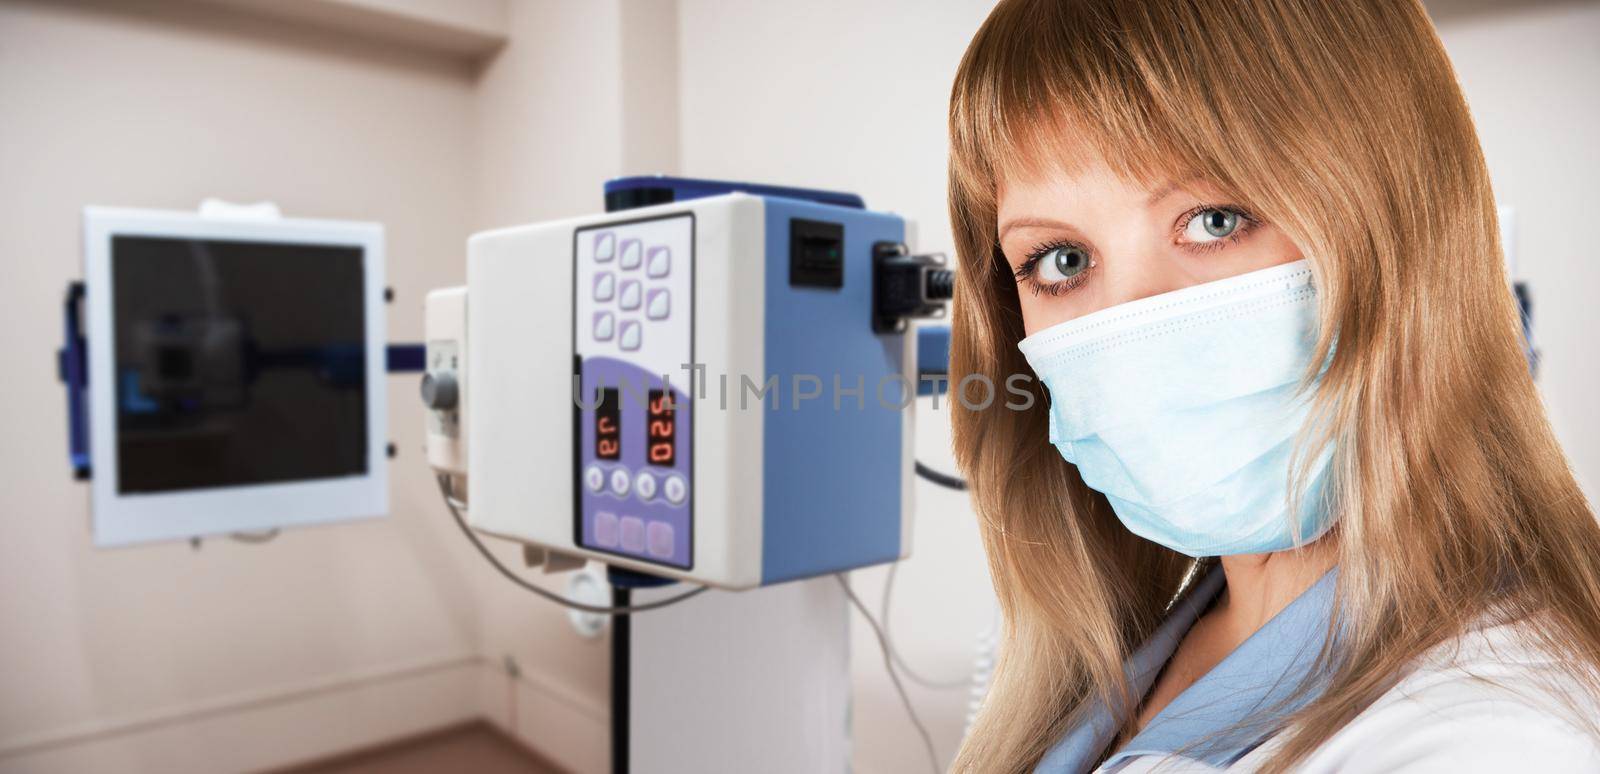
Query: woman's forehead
1094	183
1067	158
1041	152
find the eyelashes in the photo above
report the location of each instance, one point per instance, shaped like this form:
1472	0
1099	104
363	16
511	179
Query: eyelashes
1028	271
1245	223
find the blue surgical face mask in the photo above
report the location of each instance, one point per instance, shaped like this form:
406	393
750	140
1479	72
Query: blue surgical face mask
1183	409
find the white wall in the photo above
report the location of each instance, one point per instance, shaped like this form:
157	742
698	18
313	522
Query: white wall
165	658
1532	78
233	657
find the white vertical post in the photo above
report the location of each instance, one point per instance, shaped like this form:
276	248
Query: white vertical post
740	682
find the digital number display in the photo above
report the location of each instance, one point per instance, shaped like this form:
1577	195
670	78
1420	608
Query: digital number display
661	430
608	423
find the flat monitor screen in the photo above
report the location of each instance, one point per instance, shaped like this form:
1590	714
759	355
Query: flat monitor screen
237	362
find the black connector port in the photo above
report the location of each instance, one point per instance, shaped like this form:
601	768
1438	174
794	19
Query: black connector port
816	254
905	286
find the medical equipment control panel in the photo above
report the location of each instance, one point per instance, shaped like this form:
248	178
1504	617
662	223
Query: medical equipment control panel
661	390
633	326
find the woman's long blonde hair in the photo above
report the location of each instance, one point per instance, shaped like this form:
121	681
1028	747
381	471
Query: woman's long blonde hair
1341	123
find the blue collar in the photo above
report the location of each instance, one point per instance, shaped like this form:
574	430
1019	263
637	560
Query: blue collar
1251	684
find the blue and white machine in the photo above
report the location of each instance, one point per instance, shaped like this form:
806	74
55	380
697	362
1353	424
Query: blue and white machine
698	390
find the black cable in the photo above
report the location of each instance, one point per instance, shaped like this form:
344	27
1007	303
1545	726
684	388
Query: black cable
888	665
942	479
888	638
451	503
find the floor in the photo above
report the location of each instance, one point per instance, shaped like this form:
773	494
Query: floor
476	747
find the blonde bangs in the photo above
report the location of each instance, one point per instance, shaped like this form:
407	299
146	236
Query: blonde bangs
1030	103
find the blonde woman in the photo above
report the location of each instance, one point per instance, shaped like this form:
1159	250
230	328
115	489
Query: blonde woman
1286	497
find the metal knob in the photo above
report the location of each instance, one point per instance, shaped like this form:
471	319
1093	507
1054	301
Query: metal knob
439	390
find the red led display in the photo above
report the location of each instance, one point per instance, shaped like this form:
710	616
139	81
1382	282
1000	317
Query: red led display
661	430
608	424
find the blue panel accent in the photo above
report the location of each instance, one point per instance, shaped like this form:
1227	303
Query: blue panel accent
1525	312
933	359
72	366
692	188
407	358
831	478
131	398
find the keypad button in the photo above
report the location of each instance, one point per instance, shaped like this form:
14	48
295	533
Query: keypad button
605	529
620	481
632	534
659	535
659	306
630	338
631	253
630	295
659	262
645	485
605	245
675	489
594	478
605	286
604	326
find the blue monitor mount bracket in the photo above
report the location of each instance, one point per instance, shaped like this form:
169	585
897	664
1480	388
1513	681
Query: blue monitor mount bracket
72	368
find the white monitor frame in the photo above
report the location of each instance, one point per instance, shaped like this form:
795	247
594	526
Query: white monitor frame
122	519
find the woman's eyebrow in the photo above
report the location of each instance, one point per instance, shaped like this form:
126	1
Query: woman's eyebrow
1031	223
1169	189
1156	196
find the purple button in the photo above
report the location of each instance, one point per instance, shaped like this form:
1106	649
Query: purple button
605	245
630	254
605	286
659	262
603	326
632	534
630	338
660	539
605	529
658	305
629	295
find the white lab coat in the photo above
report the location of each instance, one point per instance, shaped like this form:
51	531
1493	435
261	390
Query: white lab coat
1489	701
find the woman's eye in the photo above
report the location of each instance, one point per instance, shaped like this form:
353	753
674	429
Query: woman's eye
1059	264
1211	225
